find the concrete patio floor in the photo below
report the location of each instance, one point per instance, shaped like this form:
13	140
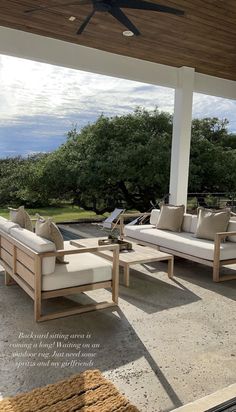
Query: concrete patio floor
169	342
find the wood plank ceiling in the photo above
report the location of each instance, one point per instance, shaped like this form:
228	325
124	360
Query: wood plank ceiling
205	38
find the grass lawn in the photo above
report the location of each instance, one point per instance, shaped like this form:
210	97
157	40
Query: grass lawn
59	214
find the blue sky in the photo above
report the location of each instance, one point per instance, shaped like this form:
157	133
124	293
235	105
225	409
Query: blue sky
39	103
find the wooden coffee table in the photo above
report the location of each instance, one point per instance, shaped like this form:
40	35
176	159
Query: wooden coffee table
139	254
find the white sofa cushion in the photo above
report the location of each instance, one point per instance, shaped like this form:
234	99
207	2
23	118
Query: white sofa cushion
186	225
6	225
193	227
183	242
3	219
232	228
37	244
131	230
82	269
155	213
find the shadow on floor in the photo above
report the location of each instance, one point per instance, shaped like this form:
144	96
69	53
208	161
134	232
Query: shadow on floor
117	342
202	276
161	295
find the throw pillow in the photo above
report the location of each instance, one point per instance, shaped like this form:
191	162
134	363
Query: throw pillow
211	222
47	229
171	218
21	217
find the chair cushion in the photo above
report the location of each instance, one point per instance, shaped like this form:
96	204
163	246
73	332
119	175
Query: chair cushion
183	243
46	229
82	269
21	217
211	222
38	244
171	218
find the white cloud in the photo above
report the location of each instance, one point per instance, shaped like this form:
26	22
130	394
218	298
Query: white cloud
37	89
211	106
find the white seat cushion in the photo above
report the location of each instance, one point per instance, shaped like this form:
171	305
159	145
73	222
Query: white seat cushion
82	269
130	230
184	243
38	244
6	225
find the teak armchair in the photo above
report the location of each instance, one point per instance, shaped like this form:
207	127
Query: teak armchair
24	266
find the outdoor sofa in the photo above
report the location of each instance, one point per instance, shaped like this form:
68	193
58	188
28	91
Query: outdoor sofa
30	261
184	244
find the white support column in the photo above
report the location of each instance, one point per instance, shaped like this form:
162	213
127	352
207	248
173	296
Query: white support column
181	138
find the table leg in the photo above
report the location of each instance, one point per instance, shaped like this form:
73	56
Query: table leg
126	275
170	269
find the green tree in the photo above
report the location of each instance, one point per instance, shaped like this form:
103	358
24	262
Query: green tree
122	160
212	161
119	161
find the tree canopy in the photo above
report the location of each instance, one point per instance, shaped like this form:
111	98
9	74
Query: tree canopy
121	160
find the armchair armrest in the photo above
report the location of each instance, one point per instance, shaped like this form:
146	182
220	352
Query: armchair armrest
222	235
65	252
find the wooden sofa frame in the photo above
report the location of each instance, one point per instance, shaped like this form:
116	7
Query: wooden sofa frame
216	263
24	266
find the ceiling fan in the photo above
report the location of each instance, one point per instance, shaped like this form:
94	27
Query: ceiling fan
114	8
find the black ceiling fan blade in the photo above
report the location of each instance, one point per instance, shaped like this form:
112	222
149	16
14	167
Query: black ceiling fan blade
86	21
123	19
146	5
71	3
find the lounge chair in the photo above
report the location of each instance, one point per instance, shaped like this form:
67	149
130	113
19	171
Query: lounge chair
112	221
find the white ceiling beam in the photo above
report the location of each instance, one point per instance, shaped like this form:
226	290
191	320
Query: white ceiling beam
214	86
47	50
44	49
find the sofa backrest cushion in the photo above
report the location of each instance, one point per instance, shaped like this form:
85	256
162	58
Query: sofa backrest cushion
6	225
155	213
3	219
37	244
171	218
193	226
211	222
47	229
186	225
232	228
21	217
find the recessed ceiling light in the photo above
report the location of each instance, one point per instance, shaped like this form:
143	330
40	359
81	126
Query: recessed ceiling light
72	18
128	33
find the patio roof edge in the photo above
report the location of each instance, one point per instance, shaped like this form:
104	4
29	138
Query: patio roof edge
52	51
215	86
